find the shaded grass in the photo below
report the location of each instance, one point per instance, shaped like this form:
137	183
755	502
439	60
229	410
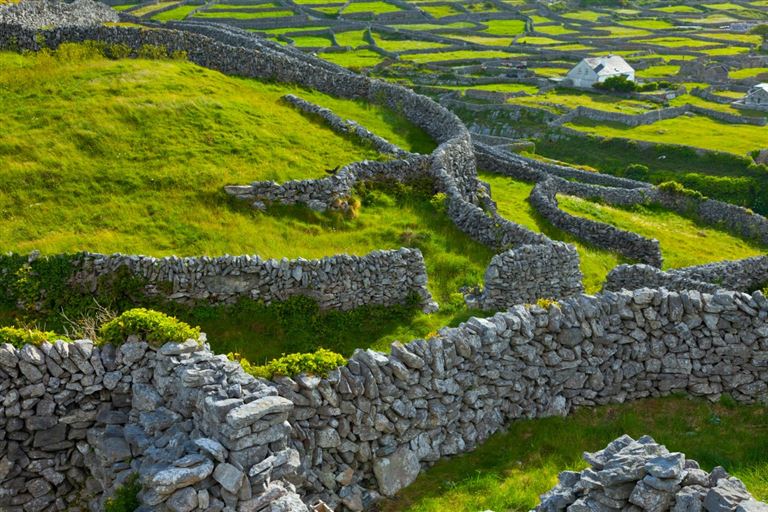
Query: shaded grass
510	470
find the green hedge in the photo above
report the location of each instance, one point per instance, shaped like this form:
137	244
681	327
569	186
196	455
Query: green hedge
151	326
19	337
318	363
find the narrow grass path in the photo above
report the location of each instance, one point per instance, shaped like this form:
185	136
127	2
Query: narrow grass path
509	471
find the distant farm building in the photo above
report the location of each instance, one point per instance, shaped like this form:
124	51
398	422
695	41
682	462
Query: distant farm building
757	97
598	69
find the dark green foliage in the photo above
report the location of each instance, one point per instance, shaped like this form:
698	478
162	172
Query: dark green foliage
126	498
636	172
18	337
152	326
618	83
317	363
295	325
673	187
721	176
654	86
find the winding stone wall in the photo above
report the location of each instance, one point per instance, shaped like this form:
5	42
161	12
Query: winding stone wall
343	282
742	275
631	245
523	275
655	116
370	426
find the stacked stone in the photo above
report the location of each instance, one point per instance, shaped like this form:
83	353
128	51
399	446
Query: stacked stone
543	199
741	275
48	13
340	282
78	420
369	427
643	475
521	276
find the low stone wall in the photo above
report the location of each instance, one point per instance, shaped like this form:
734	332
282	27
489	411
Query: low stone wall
346	126
77	420
382	278
633	246
743	275
525	274
655	116
372	425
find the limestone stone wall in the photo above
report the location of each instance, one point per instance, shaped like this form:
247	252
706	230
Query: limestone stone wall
77	420
743	275
341	282
633	246
372	425
525	274
655	116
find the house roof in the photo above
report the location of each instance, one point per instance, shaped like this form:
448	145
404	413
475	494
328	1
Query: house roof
763	86
608	65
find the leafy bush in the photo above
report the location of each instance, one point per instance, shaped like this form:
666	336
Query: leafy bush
126	497
673	187
618	83
152	326
637	172
318	363
19	337
440	202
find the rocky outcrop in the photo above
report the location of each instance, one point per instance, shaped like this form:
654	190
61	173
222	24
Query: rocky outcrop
643	475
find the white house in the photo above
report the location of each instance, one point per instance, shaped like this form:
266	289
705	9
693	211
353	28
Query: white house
597	69
757	97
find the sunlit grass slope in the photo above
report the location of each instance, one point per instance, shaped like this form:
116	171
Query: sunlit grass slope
683	242
512	469
133	155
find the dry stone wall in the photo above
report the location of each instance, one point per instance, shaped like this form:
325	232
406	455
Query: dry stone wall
383	278
77	420
742	275
523	275
655	116
371	426
543	199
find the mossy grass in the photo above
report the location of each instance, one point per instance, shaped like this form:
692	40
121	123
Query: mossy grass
18	337
154	327
510	471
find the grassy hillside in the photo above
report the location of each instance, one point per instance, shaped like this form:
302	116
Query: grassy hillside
513	468
682	241
131	156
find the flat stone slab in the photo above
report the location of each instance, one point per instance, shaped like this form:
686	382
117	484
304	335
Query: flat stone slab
252	412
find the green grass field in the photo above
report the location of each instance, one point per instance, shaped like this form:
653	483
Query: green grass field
683	242
699	131
510	471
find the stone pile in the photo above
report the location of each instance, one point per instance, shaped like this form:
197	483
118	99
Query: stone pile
641	475
78	420
37	14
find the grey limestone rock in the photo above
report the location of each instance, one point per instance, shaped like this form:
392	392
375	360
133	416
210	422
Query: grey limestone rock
396	471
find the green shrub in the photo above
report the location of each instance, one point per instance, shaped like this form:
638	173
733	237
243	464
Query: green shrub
317	363
618	83
673	187
152	326
126	497
18	337
637	172
440	202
